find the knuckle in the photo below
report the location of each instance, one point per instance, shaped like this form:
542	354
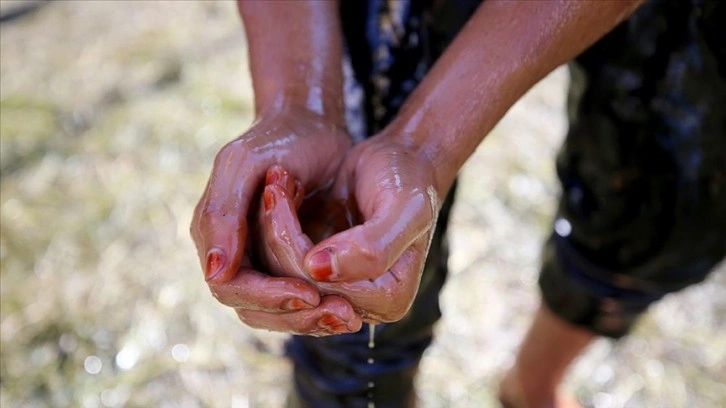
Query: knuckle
233	148
235	151
375	257
223	154
226	297
208	211
371	252
421	202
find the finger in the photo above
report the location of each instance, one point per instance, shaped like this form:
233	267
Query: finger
406	272
219	226
285	244
252	290
369	250
278	175
389	297
334	316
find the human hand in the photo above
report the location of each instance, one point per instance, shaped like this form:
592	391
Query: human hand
375	265
313	148
281	244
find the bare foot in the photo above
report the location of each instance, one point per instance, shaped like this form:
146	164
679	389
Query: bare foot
511	395
549	347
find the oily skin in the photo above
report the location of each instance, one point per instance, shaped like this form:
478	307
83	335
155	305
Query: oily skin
298	84
284	241
221	228
395	178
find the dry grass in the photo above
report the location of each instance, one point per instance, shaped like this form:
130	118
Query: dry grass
111	115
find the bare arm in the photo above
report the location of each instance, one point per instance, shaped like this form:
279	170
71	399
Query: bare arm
504	49
294	53
295	50
400	176
295	58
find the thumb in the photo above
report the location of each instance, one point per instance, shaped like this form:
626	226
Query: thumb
367	251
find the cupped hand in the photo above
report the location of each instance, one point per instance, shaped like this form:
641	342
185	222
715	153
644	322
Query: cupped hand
385	194
313	148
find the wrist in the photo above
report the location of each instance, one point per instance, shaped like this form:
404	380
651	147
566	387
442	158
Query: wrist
295	55
418	141
319	101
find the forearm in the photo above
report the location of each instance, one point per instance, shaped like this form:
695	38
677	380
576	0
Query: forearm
505	48
295	53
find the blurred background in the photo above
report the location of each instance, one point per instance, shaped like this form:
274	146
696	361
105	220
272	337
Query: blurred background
111	113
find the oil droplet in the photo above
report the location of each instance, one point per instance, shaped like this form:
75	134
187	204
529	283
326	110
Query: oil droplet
371	345
371	335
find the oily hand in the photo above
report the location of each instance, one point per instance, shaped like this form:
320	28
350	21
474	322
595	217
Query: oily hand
281	246
221	228
376	265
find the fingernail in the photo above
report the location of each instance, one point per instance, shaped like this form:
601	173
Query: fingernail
320	265
271	176
268	198
332	323
296	304
215	263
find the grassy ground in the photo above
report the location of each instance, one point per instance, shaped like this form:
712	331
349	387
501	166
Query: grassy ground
111	115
